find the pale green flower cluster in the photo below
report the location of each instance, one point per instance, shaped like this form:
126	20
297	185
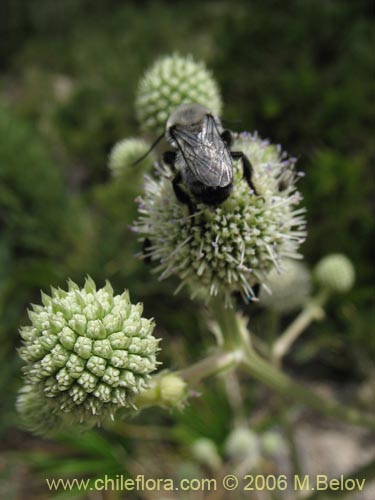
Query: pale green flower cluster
243	444
171	81
287	288
125	153
231	247
35	413
205	452
336	273
87	353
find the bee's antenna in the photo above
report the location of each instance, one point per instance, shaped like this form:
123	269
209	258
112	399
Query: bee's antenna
148	151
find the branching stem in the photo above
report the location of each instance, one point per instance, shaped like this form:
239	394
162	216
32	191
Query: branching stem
312	311
236	335
212	365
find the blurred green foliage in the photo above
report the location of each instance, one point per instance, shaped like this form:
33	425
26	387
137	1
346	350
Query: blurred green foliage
299	73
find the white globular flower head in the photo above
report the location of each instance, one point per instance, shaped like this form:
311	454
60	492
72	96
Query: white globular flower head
171	81
88	353
242	444
233	246
205	451
125	153
336	273
272	443
287	288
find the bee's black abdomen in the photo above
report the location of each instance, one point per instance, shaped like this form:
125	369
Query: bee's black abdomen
214	196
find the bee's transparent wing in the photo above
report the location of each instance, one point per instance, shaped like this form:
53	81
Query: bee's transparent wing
206	154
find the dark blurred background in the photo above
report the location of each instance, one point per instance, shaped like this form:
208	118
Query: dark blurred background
298	72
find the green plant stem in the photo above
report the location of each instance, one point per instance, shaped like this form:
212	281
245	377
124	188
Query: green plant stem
213	365
289	427
234	395
235	334
233	326
312	311
284	385
274	318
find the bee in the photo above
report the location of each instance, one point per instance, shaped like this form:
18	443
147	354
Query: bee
201	157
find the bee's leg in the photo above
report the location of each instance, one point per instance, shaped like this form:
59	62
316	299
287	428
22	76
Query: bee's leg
181	195
169	158
146	250
227	137
247	168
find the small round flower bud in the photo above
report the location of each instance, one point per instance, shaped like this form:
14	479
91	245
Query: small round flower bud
272	443
287	288
171	81
336	273
172	390
166	389
87	352
204	450
233	246
242	444
124	153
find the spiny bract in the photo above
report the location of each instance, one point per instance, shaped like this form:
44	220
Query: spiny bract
87	352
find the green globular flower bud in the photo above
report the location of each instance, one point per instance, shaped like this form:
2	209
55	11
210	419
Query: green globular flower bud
242	444
171	81
125	153
233	246
336	273
88	353
287	288
166	389
272	443
205	452
172	390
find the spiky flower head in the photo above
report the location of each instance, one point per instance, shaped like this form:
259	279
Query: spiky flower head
87	353
124	153
336	273
171	81
286	288
231	247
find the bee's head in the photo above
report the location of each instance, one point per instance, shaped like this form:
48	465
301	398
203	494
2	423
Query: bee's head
189	115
